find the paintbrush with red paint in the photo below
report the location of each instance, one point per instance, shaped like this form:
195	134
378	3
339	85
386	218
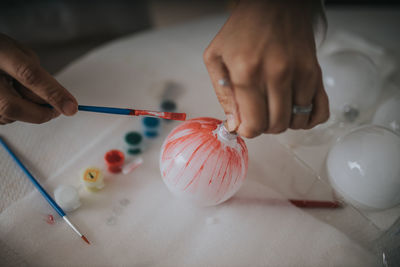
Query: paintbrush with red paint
135	112
41	190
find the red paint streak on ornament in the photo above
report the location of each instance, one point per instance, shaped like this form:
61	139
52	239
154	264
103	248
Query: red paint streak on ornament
238	163
226	164
222	164
232	167
217	145
203	143
194	127
194	152
227	169
188	125
243	148
199	133
215	166
170	147
194	177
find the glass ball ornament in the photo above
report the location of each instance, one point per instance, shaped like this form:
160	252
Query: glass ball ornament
202	163
388	114
352	83
363	166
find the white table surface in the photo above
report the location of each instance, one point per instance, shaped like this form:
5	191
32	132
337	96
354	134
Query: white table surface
132	72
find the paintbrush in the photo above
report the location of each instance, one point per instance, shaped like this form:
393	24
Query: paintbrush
131	112
135	112
49	199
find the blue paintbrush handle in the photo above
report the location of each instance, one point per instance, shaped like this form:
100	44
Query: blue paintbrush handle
33	180
121	111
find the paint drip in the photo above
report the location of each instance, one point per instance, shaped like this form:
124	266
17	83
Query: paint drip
50	219
201	162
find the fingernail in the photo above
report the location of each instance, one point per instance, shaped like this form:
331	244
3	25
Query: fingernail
231	123
69	108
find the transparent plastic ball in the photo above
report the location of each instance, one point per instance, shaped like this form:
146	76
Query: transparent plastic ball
388	114
364	167
202	163
319	135
352	83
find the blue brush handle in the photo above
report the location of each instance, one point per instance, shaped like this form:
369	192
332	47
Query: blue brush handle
33	180
121	111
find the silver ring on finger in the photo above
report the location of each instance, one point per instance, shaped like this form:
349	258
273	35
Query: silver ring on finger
223	82
302	109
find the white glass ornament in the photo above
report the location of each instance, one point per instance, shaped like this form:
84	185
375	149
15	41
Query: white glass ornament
201	162
364	167
388	114
352	83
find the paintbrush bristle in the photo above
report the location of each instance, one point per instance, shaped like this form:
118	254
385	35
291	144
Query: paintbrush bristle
85	239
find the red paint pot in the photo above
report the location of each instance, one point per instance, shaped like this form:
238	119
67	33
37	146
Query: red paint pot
114	160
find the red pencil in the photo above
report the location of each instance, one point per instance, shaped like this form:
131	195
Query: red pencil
315	203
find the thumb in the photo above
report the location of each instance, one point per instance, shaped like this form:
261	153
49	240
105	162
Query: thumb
26	70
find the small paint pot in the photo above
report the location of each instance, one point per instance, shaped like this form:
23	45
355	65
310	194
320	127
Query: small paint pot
114	160
151	127
67	197
133	143
168	106
93	179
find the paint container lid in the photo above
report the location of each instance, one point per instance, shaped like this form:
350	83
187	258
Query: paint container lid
67	197
134	151
133	138
151	134
151	122
168	105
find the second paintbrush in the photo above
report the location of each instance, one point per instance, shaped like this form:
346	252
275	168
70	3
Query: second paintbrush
135	112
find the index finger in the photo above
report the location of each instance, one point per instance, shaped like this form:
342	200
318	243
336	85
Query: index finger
220	79
29	73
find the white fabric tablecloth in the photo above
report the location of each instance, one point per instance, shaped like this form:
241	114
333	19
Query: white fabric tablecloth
134	220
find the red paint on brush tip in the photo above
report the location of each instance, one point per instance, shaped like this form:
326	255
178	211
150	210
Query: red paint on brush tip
175	116
160	114
85	239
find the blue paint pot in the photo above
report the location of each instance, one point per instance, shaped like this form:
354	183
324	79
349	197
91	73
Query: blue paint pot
151	127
